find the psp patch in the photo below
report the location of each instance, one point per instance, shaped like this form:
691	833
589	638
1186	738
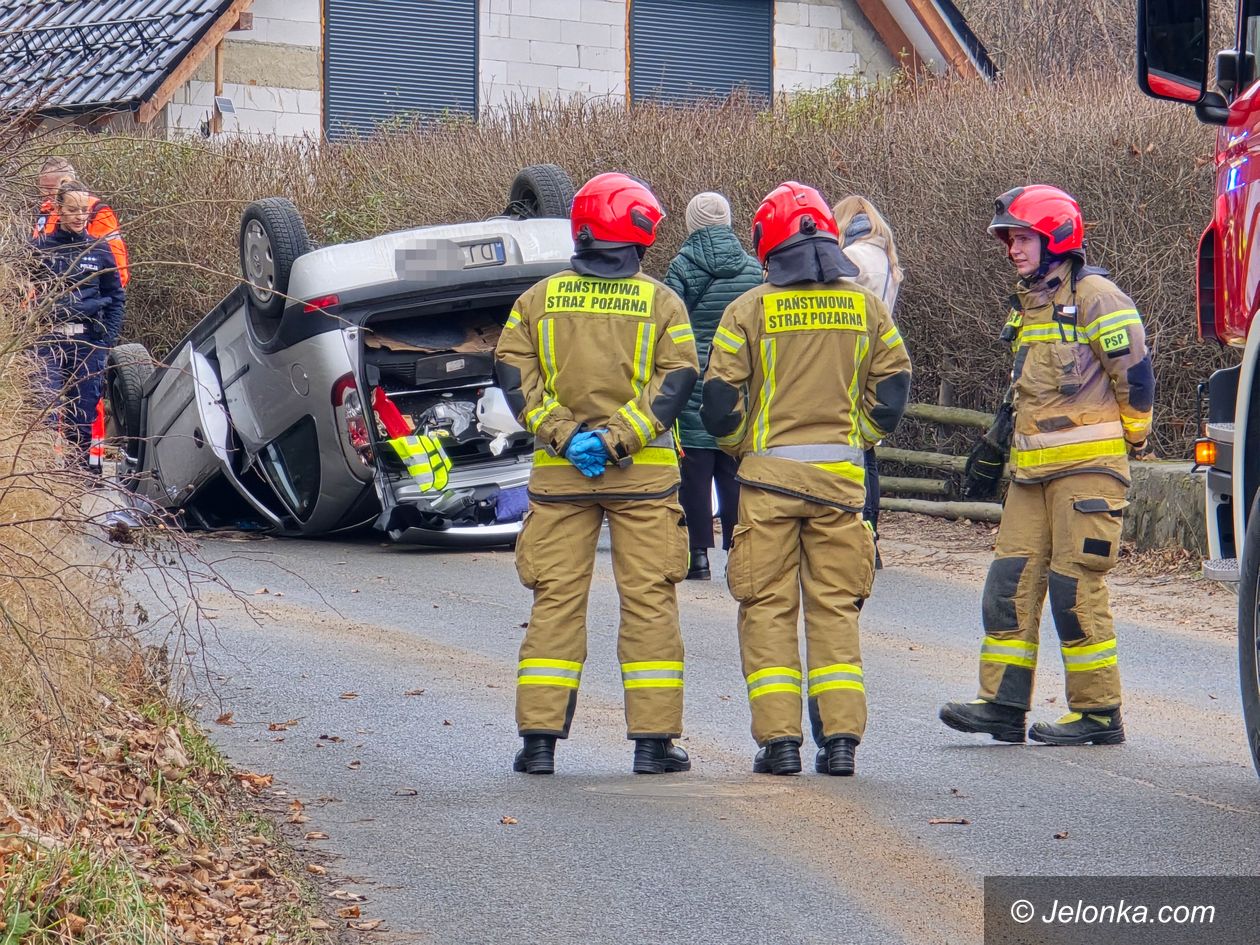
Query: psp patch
1115	344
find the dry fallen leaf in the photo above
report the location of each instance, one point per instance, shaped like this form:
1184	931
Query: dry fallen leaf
346	896
316	870
282	726
954	792
370	926
414	692
959	821
349	912
508	821
355	765
262	590
317	835
329	738
319	925
225	719
446	721
253	782
349	695
1061	835
406	792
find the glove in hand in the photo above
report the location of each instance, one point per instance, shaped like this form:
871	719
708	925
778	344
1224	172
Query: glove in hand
587	452
983	471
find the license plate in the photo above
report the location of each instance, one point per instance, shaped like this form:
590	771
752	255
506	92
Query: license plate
488	253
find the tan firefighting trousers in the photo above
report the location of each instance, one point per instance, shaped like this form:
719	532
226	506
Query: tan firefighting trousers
785	548
555	555
1063	535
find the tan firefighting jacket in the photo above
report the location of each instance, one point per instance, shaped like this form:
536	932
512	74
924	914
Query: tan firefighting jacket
1084	387
586	353
801	381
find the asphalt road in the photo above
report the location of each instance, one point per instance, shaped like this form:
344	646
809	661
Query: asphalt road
412	789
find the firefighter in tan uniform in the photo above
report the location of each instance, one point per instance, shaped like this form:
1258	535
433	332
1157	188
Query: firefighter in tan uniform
805	373
1083	392
598	362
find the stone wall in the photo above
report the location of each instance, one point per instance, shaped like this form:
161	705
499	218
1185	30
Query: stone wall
1166	508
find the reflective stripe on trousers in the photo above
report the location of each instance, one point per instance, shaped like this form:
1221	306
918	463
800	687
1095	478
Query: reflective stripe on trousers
542	672
1082	659
1010	652
652	674
836	676
774	679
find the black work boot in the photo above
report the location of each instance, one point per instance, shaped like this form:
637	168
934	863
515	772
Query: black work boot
781	757
698	570
659	756
1005	723
836	757
1102	727
538	756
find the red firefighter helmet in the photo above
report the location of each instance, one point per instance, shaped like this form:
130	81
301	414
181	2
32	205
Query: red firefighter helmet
615	210
790	213
1046	210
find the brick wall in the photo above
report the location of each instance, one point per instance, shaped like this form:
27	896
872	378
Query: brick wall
538	49
271	73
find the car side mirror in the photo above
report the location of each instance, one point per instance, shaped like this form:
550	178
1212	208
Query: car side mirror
1213	109
1172	40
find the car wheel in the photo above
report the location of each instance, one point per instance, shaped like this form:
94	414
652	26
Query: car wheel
541	190
1248	618
273	236
127	371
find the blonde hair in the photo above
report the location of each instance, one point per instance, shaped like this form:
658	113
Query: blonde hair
851	206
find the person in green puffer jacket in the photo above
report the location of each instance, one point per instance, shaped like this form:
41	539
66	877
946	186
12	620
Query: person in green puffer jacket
710	271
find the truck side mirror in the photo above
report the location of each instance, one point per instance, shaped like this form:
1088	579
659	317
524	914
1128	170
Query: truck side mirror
1172	55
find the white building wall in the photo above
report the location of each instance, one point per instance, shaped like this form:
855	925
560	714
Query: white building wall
814	43
548	49
271	73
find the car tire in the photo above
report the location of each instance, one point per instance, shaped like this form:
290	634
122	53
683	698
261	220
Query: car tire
541	190
127	372
272	238
1248	643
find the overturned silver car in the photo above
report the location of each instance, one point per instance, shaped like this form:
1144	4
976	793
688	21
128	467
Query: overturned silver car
348	386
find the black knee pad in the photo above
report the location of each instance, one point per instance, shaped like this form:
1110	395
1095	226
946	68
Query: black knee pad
1062	600
997	609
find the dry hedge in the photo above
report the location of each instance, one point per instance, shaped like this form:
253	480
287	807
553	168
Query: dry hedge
932	157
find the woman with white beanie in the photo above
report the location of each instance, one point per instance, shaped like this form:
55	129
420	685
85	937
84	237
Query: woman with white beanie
711	270
868	242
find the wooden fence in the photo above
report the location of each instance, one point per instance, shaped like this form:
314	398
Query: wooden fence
929	495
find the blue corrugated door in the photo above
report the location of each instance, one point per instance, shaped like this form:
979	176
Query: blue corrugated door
405	58
681	52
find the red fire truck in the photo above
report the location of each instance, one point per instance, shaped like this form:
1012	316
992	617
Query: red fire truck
1173	52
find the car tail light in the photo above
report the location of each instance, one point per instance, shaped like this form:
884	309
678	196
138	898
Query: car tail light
352	420
1205	452
321	303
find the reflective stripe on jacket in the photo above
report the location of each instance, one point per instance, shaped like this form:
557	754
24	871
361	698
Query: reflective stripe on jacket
1084	385
586	353
801	380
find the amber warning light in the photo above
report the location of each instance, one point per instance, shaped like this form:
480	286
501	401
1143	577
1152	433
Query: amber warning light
1205	452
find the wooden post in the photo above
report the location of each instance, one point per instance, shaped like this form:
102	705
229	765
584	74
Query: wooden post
922	458
951	416
899	484
216	116
976	511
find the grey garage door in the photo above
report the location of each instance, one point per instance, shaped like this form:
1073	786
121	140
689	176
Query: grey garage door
405	58
683	52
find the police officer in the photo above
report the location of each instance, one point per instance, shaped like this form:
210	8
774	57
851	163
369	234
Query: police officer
805	373
1083	392
598	362
102	222
87	314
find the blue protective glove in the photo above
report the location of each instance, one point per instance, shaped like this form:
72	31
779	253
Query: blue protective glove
587	452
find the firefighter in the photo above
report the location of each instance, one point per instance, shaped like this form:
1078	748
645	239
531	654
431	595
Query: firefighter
597	362
1083	389
806	372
